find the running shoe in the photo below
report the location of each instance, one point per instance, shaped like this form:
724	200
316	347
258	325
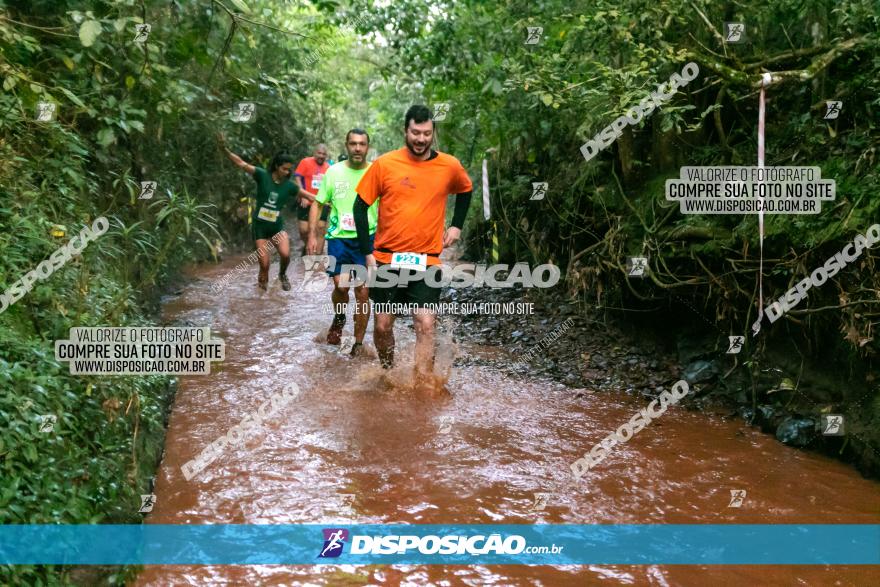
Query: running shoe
357	349
285	283
334	335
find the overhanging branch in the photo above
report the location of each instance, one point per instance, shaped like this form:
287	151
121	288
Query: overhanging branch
751	75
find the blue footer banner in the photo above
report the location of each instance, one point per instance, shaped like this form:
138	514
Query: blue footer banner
466	544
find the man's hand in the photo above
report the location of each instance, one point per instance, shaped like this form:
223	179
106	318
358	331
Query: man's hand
306	198
451	236
312	246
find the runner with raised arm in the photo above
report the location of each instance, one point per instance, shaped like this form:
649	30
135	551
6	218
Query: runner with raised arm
274	191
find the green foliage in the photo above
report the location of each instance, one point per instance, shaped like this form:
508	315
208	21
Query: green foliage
126	113
529	107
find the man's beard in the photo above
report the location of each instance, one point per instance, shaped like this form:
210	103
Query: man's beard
412	148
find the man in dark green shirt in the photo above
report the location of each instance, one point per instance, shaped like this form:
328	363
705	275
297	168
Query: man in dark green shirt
275	190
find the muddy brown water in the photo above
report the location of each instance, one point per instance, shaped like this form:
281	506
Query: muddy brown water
357	447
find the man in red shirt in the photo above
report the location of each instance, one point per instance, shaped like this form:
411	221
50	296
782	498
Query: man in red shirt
310	173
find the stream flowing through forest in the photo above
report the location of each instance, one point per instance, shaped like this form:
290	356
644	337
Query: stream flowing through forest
359	446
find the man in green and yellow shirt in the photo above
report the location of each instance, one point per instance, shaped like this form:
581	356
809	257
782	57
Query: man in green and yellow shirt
338	191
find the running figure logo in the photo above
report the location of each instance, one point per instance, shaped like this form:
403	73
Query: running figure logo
147	503
733	31
737	497
315	278
534	34
539	190
635	266
334	540
445	424
45	111
142	31
441	109
540	502
244	112
832	425
148	189
736	344
832	109
47	422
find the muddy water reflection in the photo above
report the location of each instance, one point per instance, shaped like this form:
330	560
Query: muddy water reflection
357	446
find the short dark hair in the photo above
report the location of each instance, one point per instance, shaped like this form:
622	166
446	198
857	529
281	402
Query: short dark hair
418	113
278	160
357	131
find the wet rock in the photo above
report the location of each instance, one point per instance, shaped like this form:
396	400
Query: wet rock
766	417
516	334
796	431
699	371
747	414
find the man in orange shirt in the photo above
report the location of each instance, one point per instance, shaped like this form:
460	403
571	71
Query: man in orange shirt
412	185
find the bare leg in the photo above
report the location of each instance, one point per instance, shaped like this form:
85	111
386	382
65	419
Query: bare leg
339	295
340	303
264	255
383	336
423	320
304	234
283	247
361	312
322	232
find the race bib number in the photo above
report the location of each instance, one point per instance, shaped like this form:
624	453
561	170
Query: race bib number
348	222
316	181
415	261
267	215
